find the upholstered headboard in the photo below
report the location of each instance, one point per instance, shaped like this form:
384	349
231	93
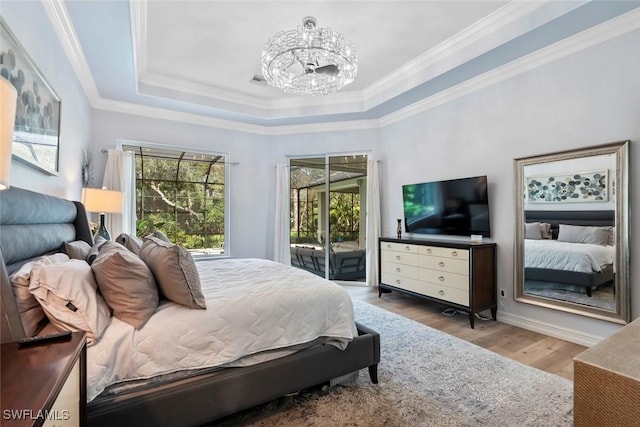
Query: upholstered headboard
32	224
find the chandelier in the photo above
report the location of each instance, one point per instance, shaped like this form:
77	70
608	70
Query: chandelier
309	60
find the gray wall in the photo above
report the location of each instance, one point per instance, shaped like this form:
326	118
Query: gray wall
31	26
589	98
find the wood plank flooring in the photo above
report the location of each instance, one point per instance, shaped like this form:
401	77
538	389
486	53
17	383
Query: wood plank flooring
531	348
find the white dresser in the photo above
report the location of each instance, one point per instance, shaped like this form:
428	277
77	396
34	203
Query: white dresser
455	273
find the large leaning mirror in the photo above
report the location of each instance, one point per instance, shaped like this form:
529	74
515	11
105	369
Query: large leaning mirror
572	231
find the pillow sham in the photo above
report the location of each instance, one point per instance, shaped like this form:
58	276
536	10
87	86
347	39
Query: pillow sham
545	230
67	292
175	272
160	235
30	311
126	284
130	242
583	234
532	230
78	249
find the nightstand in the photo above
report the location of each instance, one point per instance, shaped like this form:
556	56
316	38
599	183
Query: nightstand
46	384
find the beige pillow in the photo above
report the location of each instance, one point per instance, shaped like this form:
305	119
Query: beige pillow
78	249
30	311
126	283
175	271
130	242
68	295
532	231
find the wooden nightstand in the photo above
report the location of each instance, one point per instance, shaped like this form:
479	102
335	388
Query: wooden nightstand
46	384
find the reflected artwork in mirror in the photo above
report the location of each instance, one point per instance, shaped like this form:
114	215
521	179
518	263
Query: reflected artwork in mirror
571	237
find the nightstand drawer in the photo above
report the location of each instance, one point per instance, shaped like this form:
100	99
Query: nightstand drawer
65	411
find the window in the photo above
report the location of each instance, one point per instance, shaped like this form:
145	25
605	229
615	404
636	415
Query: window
182	194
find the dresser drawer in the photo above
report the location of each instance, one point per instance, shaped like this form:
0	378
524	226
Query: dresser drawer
430	250
459	266
399	247
433	290
455	253
443	278
397	269
398	281
399	257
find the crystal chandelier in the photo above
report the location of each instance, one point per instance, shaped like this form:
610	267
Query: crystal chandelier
309	60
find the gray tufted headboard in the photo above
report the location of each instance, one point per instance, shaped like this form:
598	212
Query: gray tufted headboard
32	224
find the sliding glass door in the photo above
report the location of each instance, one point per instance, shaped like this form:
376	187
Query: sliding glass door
328	217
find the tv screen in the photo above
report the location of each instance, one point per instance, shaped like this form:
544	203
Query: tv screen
455	207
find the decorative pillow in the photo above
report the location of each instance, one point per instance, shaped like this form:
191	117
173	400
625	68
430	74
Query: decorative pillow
532	231
29	309
583	234
95	249
68	295
78	249
545	230
159	235
130	242
126	283
175	271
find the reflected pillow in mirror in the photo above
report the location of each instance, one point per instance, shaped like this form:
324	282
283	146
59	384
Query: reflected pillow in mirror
532	231
545	230
583	234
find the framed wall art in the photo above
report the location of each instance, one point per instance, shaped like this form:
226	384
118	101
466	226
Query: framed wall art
569	187
36	138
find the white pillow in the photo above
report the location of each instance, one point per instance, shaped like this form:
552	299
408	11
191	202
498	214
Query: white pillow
68	295
30	311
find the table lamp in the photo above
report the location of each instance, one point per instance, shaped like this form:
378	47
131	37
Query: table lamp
102	201
8	95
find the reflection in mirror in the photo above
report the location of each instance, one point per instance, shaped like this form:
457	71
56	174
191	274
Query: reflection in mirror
571	236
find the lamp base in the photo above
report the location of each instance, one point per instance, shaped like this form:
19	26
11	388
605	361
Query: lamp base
102	230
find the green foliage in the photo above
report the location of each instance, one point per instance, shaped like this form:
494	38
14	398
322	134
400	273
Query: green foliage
182	198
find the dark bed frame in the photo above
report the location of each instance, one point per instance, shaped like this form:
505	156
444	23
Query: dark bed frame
572	279
33	224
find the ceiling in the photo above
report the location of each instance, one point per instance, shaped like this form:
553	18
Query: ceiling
199	57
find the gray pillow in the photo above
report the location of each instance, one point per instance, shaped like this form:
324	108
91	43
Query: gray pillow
532	231
126	283
78	249
583	234
545	230
175	271
130	242
93	253
159	235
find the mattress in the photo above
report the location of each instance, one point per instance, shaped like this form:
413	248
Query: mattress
257	310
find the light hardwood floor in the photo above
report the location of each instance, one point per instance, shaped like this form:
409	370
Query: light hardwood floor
531	348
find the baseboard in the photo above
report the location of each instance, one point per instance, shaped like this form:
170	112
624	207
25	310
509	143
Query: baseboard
566	334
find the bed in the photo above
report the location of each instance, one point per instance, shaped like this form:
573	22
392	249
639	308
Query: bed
569	250
33	224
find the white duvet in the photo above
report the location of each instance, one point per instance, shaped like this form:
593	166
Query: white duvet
253	306
583	257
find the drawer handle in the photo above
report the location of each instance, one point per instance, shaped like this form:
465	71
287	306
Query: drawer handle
441	292
398	257
441	278
407	248
441	264
388	246
397	269
397	281
428	250
454	253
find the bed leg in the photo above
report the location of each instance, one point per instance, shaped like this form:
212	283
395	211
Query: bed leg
373	373
589	292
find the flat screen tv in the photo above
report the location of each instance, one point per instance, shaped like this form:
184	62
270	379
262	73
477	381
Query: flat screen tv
453	207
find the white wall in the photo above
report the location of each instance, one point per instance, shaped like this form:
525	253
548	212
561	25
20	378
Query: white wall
31	26
589	98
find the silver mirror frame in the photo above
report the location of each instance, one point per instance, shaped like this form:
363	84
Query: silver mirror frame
622	314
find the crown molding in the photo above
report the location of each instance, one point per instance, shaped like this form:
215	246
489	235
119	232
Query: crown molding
59	18
593	36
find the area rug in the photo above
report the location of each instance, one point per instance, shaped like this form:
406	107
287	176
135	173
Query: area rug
426	378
